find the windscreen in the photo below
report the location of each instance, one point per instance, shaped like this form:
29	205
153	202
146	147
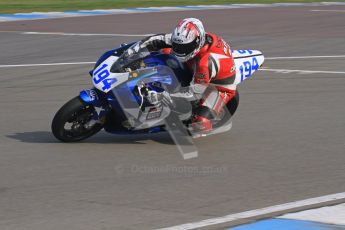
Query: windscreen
131	59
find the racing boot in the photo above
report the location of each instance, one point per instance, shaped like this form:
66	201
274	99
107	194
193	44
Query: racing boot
201	126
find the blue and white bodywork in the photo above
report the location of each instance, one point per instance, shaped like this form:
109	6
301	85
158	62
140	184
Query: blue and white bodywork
247	62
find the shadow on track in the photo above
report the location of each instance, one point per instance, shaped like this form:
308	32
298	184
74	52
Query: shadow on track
100	138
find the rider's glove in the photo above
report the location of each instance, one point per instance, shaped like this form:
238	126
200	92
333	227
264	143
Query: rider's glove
152	43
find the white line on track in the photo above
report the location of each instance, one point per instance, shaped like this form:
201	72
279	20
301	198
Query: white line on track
258	212
338	11
305	57
46	64
86	35
268	58
301	71
334	214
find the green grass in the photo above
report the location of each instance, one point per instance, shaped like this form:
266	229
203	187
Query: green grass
15	6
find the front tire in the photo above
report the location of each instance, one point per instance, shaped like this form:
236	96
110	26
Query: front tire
70	123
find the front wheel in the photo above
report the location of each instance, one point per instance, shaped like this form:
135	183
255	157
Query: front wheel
72	122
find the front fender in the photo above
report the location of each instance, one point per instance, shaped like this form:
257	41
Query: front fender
90	96
94	98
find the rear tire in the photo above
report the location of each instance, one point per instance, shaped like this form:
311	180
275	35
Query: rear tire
77	114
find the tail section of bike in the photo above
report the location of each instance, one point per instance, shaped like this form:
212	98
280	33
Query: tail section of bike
246	62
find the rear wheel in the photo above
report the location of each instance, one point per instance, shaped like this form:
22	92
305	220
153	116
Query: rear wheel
72	122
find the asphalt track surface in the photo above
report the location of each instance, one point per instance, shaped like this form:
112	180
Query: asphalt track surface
286	144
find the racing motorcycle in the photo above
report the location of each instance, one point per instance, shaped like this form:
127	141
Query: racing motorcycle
118	103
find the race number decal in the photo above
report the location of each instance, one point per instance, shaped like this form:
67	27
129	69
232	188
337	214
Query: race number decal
248	67
100	75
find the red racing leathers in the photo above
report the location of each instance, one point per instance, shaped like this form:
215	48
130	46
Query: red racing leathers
213	65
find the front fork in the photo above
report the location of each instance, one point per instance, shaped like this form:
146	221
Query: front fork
98	102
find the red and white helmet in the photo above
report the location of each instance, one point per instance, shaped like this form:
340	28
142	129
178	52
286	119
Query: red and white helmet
188	38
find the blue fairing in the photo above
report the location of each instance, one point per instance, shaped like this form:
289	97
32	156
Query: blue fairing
125	91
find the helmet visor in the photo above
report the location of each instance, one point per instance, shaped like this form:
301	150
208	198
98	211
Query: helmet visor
185	49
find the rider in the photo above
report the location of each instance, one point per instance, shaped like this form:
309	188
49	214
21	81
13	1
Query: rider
209	58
